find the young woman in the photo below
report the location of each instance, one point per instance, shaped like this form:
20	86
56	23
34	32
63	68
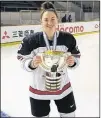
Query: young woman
49	38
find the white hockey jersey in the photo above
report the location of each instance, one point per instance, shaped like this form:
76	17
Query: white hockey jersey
35	44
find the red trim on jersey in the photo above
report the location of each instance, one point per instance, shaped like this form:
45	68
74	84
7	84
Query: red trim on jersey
39	92
75	55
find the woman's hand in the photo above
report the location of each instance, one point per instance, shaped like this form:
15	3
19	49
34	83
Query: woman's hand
36	61
70	61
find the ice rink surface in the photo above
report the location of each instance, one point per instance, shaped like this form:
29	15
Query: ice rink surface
84	79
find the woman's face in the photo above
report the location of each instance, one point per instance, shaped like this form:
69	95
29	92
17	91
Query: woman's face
49	21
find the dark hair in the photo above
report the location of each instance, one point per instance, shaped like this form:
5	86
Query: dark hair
48	6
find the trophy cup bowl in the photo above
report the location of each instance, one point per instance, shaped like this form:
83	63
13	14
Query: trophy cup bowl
51	57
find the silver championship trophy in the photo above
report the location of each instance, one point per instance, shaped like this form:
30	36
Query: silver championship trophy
53	63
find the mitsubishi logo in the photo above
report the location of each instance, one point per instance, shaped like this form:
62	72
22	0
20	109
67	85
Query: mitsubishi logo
5	35
96	26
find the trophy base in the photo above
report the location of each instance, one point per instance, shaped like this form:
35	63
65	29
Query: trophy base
53	83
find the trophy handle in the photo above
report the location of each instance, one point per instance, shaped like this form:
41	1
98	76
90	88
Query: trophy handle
40	54
65	56
42	65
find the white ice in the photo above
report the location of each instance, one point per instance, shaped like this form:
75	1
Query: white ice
85	81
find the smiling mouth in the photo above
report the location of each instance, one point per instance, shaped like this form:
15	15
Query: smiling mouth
49	27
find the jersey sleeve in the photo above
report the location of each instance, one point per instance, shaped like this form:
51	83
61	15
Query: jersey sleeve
73	48
24	53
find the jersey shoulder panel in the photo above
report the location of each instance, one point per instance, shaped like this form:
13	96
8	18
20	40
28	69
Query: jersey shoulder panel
66	38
